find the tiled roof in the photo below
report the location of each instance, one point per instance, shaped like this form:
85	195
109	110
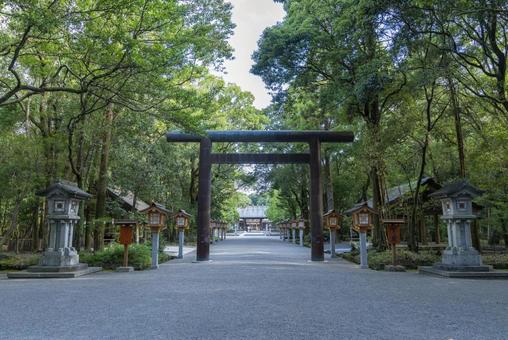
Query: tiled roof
455	188
253	211
161	207
67	187
395	193
128	198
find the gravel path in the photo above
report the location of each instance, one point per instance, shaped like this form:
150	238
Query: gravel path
254	288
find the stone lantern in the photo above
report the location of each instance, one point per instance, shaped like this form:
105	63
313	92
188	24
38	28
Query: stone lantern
224	230
294	224
219	230
157	215
283	230
332	222
363	217
213	226
288	230
60	259
459	259
301	227
182	223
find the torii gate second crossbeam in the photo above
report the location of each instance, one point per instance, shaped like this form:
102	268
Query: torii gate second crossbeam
313	158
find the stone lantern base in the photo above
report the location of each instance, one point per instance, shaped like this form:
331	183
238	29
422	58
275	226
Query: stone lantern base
462	263
458	259
66	257
54	272
61	263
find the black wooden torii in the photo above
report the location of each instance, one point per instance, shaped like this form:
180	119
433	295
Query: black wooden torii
313	158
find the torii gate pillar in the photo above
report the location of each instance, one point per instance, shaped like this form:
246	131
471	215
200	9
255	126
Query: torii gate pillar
313	158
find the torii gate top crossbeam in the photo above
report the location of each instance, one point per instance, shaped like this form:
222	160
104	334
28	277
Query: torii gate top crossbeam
206	158
264	136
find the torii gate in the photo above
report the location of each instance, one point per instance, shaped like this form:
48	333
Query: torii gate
313	158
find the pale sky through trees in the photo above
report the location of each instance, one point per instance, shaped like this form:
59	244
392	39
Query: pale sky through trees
251	18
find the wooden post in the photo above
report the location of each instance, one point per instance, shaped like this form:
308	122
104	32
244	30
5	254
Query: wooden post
316	201
125	255
332	242
204	200
394	254
437	229
424	230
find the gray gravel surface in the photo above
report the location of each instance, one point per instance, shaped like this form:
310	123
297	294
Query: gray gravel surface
254	288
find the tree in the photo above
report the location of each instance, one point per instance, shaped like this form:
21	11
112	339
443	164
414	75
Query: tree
338	47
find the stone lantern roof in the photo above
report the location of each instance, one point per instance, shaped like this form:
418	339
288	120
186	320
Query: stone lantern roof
70	188
457	188
157	206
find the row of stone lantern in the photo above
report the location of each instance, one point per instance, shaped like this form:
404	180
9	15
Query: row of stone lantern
220	228
362	220
288	230
157	216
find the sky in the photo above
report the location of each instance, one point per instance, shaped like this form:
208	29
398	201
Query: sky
251	18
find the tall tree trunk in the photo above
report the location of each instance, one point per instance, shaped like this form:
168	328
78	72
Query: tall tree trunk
79	180
193	187
102	182
412	243
504	228
329	182
379	238
14	222
88	212
458	128
35	229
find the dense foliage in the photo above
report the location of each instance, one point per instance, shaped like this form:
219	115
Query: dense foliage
140	257
88	88
422	84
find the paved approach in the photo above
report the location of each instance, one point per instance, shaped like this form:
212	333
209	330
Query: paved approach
255	288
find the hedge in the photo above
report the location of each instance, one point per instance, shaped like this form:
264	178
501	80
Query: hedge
140	257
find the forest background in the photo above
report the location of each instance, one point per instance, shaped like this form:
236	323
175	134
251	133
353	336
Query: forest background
88	89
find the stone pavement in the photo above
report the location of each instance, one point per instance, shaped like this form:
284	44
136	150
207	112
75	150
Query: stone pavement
255	288
173	250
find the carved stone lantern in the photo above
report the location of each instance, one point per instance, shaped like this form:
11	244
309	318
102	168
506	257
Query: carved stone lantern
301	228
218	227
182	224
288	230
332	222
224	230
157	215
283	230
182	219
294	224
213	227
460	256
60	259
363	219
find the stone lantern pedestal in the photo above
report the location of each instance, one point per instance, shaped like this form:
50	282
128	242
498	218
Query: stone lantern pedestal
460	259
60	260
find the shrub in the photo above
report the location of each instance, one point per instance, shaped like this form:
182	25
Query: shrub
140	257
406	258
498	261
18	261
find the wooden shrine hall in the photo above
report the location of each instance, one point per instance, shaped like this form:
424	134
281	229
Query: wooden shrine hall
253	218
